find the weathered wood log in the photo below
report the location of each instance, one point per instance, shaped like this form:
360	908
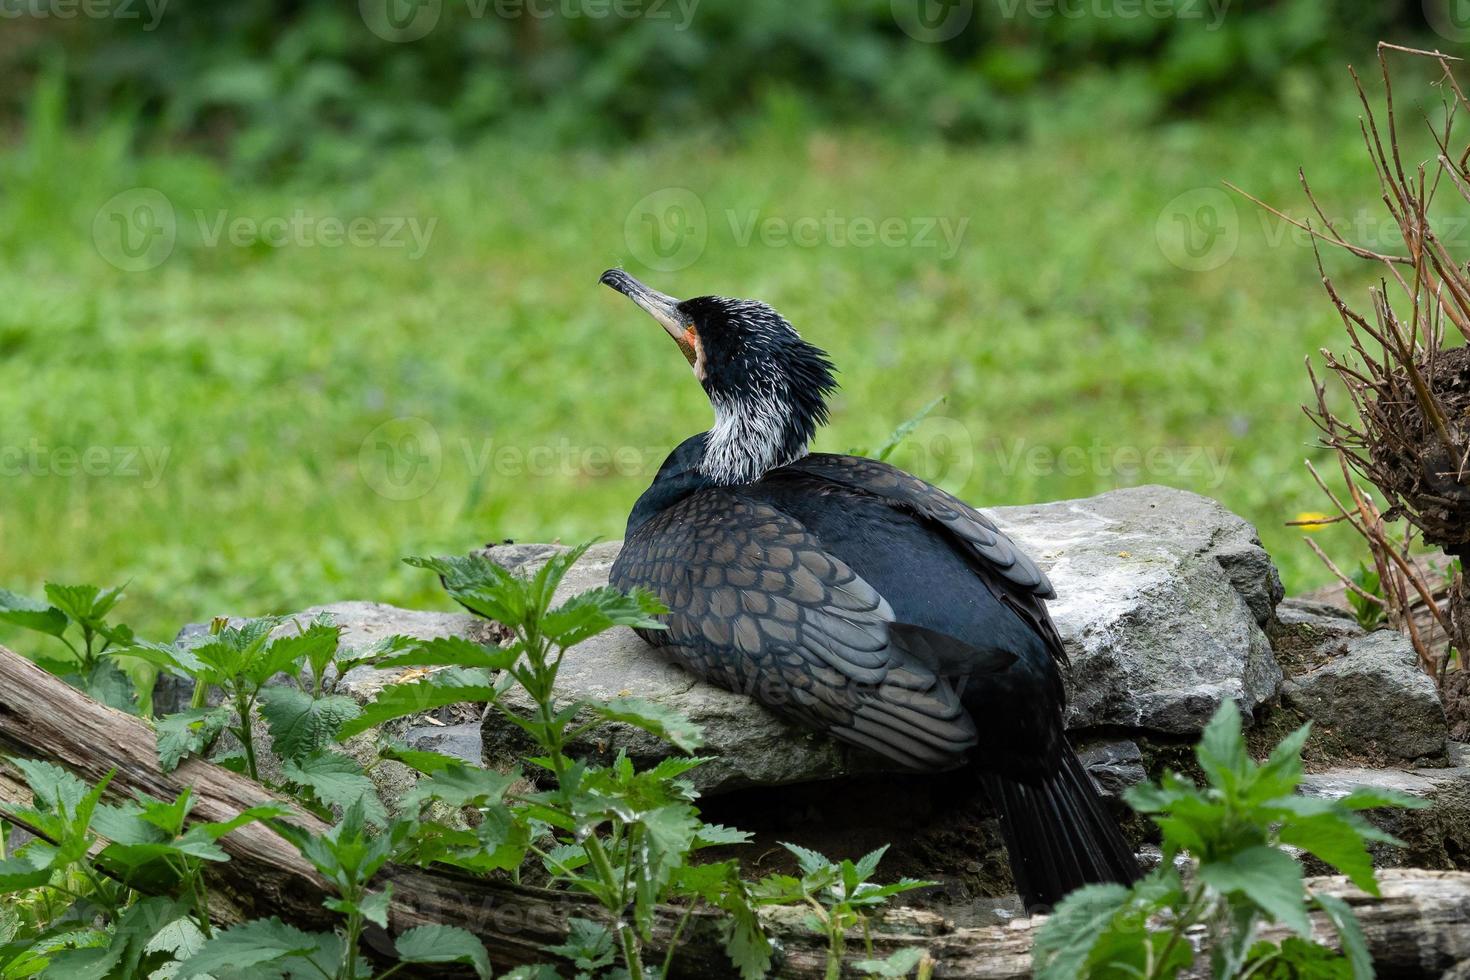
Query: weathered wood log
1419	928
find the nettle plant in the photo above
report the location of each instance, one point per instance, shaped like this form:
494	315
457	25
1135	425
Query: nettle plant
119	890
1240	830
76	616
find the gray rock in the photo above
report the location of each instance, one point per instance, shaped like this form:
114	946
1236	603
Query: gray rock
1114	766
461	741
1162	600
1162	596
1372	700
1436	837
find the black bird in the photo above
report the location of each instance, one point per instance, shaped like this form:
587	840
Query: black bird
854	598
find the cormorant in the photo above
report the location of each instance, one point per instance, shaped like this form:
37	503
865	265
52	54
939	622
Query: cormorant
854	598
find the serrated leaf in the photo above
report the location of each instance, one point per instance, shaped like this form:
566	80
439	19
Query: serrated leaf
443	944
252	944
810	862
481	586
715	835
598	610
17	874
403	700
461	785
31	614
1222	751
650	716
1066	939
427	763
337	780
1267	877
451	651
300	724
898	964
1368	798
1349	933
1336	841
589	945
188	733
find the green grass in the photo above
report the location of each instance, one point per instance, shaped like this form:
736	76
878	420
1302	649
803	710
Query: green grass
261	371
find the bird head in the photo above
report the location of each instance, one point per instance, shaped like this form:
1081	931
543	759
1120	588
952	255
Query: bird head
768	387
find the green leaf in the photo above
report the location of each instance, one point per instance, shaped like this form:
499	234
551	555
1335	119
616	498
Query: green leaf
481	586
252	944
451	651
85	604
715	835
1333	839
30	614
589	945
373	906
598	610
1268	878
402	700
808	860
1066	939
55	790
300	724
898	964
443	944
904	430
652	717
336	780
188	733
17	874
427	763
1367	798
1221	751
1349	932
462	785
107	684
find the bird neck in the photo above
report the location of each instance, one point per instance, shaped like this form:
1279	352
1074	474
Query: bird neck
752	435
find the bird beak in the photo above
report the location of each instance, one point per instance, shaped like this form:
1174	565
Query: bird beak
663	308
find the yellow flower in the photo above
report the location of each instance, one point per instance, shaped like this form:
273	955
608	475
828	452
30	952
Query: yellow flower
1311	520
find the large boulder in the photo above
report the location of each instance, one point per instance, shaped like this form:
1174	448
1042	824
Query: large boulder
1371	700
1365	694
1162	596
1436	836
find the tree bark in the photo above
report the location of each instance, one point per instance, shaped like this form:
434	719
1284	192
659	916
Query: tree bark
1419	928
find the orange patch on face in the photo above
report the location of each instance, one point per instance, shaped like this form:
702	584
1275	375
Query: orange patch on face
689	344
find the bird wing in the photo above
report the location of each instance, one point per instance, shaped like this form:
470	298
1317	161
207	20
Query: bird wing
1007	571
757	605
977	533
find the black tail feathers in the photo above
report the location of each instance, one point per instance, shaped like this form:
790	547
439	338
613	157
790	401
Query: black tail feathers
1058	833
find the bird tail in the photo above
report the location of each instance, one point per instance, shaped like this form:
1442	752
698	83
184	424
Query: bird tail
1058	834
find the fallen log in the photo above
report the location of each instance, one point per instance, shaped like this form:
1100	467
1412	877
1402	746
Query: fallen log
1419	928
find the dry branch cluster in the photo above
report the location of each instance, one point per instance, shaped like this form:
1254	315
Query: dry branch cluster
1409	432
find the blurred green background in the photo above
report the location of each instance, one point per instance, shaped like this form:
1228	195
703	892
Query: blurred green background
291	290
